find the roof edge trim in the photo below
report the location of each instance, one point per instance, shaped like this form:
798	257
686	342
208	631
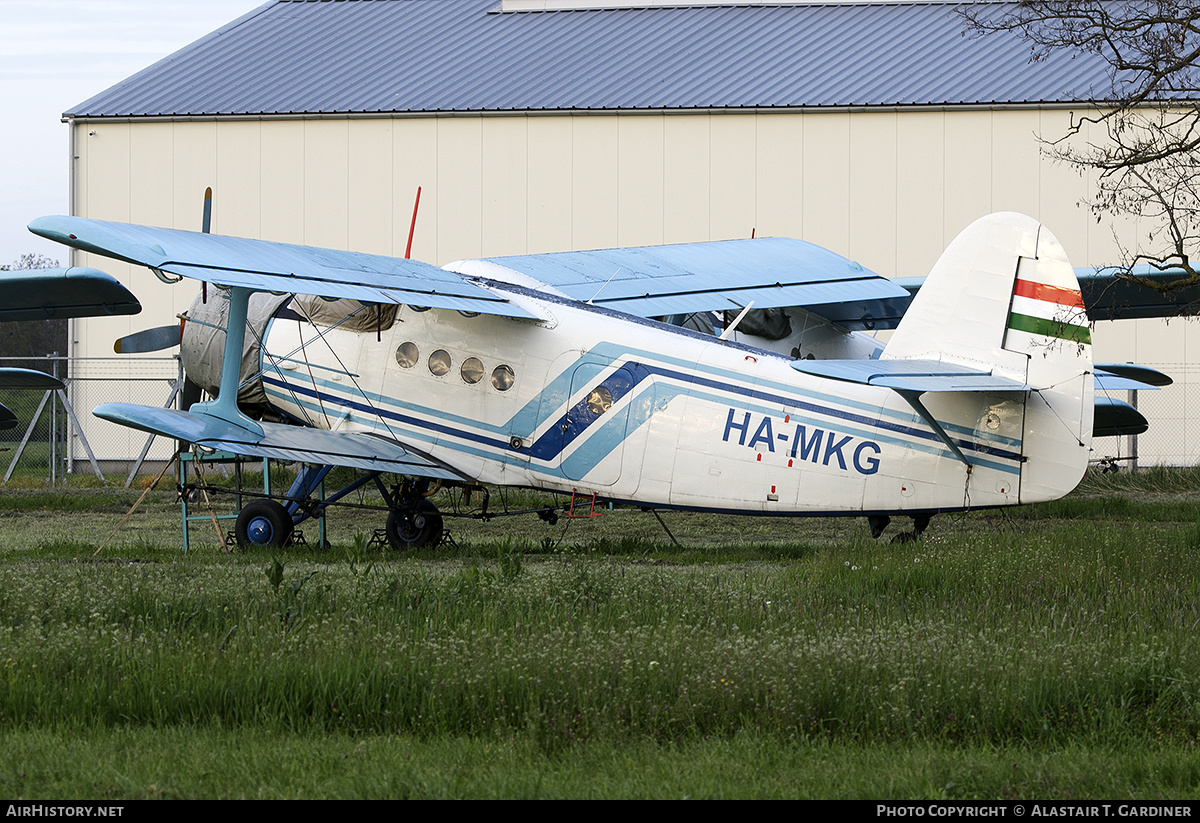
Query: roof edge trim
404	115
522	6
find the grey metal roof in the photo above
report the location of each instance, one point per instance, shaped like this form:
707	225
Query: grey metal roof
368	56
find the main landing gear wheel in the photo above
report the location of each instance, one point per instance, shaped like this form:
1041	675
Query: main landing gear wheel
263	524
414	526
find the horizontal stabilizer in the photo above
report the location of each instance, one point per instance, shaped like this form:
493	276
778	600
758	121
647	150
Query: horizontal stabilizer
44	294
260	265
724	275
28	379
8	420
909	375
1129	377
1113	418
278	441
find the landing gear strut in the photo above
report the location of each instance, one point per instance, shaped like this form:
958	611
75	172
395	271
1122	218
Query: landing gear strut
877	523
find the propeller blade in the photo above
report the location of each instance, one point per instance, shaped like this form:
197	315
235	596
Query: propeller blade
156	339
206	219
206	228
27	379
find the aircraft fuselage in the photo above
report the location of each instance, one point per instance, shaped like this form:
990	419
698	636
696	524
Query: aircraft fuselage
641	411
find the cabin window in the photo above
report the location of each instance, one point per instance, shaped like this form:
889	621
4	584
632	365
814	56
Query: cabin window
407	355
439	362
471	370
503	377
599	400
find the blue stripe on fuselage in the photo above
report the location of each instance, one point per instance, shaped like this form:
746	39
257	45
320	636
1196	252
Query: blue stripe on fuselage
569	427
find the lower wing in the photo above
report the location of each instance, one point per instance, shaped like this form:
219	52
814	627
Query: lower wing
279	441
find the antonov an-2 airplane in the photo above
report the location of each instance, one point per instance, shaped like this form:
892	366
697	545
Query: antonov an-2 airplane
550	371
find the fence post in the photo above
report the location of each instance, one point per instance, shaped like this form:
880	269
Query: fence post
1133	440
52	433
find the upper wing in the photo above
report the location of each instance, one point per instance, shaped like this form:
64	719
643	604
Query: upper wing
1108	297
278	267
250	265
42	294
647	282
728	274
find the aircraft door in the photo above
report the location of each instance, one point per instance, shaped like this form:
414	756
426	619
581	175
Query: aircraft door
594	427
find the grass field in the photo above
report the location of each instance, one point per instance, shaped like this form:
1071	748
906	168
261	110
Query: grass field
1042	652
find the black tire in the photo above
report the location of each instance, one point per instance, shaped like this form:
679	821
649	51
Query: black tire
263	524
415	527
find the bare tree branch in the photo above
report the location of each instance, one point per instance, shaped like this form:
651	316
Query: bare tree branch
1149	114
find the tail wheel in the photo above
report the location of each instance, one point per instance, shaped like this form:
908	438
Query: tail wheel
263	524
414	526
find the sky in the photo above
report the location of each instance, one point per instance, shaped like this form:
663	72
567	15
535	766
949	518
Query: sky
54	54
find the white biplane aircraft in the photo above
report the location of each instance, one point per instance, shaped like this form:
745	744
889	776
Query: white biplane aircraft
550	371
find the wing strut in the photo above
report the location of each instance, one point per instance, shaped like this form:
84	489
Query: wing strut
225	407
914	400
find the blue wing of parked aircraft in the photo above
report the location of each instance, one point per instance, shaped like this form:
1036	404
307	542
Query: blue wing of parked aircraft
647	282
278	441
772	272
1107	296
44	294
47	294
11	378
281	267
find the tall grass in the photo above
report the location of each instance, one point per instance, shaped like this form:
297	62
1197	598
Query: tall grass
1024	633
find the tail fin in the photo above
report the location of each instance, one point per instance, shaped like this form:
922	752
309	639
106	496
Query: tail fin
1004	298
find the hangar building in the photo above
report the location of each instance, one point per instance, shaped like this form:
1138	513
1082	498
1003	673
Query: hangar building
877	130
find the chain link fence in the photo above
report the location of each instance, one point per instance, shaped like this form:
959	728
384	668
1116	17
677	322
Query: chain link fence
1174	416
